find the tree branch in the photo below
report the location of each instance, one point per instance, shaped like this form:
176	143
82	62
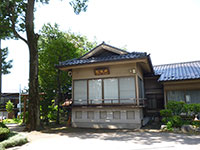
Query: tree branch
14	29
17	34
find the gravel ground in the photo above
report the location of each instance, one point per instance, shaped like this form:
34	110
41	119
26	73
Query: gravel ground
62	139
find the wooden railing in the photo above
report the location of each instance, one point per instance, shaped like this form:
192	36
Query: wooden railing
130	101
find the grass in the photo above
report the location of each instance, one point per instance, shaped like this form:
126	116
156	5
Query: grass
15	120
14	139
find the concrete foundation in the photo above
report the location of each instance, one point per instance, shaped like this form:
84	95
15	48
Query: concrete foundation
112	117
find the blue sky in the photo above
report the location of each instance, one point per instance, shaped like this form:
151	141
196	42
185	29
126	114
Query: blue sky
169	30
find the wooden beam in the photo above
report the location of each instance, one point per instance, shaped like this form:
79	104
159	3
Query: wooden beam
137	89
165	98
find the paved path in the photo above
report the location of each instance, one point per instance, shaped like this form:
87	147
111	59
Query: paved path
113	140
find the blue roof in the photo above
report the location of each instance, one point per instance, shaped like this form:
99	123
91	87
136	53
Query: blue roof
178	71
91	60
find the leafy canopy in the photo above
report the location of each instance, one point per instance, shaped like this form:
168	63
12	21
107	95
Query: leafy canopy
55	46
13	16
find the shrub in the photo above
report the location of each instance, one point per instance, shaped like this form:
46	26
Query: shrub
14	120
195	108
196	123
15	140
166	113
176	121
2	125
52	111
4	133
173	115
169	126
176	107
9	106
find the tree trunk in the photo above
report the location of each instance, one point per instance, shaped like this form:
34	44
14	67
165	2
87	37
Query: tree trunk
0	70
33	105
1	75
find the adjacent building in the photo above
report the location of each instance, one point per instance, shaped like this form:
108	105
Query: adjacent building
5	97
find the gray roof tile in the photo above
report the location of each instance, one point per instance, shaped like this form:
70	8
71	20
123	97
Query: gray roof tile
178	71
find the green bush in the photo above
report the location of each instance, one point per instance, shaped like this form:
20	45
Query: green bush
52	111
15	140
4	133
166	113
195	108
177	121
176	107
14	120
173	115
195	123
9	106
2	125
169	126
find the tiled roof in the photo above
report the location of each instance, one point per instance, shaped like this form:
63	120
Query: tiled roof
178	71
79	61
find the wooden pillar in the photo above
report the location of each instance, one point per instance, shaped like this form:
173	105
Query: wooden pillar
137	89
165	98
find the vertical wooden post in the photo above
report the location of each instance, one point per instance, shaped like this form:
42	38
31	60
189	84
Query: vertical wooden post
102	84
118	90
137	89
88	102
165	98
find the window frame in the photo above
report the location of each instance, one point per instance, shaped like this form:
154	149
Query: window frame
185	93
73	89
102	79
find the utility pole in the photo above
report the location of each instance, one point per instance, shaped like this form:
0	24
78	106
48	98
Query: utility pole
20	106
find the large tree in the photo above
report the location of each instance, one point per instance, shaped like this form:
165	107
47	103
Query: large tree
55	46
17	16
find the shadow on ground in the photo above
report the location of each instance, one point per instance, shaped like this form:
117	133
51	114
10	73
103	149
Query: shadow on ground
16	127
136	136
144	136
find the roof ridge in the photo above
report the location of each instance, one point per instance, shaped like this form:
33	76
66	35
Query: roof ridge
103	43
110	56
176	63
134	52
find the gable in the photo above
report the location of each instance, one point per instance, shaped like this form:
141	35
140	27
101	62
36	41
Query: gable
103	53
103	50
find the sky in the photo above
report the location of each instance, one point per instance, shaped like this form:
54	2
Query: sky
168	30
